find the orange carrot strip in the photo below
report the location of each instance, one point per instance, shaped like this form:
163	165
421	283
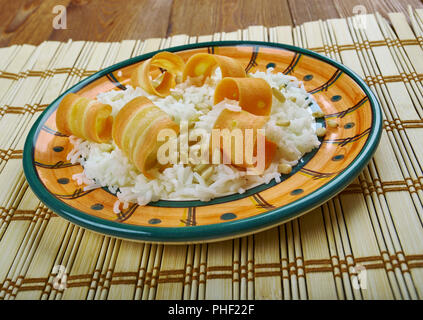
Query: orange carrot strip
270	150
98	122
63	112
124	115
84	118
203	65
172	63
135	132
243	120
254	94
239	119
145	151
77	117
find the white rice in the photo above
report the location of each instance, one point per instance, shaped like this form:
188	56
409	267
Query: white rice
106	166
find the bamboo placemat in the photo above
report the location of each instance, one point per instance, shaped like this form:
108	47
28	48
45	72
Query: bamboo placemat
372	231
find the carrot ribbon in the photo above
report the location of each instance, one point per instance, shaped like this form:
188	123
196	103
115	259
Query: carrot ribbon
241	152
254	94
135	131
168	67
202	65
85	118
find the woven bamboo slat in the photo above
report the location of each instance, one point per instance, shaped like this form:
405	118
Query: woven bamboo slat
374	225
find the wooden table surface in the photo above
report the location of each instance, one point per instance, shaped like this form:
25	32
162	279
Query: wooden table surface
31	21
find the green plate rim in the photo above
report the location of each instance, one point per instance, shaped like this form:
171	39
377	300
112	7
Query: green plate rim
216	231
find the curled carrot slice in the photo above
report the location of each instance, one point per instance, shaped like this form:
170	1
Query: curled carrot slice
85	118
170	62
135	131
254	94
243	121
202	65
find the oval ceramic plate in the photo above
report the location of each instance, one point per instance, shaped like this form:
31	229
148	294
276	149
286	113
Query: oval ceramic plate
321	174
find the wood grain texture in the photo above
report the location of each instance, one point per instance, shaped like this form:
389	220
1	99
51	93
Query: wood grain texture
209	16
27	21
30	21
304	10
106	20
345	8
